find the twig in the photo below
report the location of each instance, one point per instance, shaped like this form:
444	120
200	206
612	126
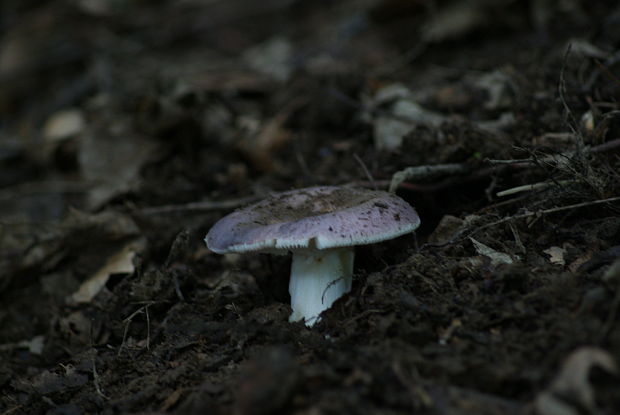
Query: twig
416	390
539	213
128	321
510	161
11	410
177	287
364	314
384	184
96	379
547	211
402	61
201	206
558	157
572	123
148	327
495	404
612	273
95	374
609	145
399	179
530	187
503	203
366	171
607	72
517	238
610	61
610	321
427	172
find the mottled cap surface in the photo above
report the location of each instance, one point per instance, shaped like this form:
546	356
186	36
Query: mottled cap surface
313	218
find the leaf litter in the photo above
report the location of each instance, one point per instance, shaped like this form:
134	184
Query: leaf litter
127	130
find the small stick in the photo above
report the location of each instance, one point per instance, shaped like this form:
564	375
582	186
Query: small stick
517	238
609	145
177	287
529	187
148	327
525	216
513	161
11	410
95	374
571	122
96	380
547	211
426	172
366	171
604	69
128	320
201	206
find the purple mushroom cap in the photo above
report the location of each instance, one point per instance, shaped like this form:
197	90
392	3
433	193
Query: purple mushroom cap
313	218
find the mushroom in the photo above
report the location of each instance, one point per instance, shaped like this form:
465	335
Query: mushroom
320	226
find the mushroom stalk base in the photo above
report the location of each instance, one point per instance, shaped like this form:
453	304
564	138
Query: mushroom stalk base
318	279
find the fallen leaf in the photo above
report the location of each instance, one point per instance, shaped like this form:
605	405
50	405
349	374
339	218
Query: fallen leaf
581	260
402	116
447	333
172	399
497	86
583	48
272	58
77	327
111	157
260	147
63	124
556	255
446	229
496	257
119	263
612	275
264	140
572	382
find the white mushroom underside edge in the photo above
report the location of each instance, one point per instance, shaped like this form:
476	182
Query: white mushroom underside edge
318	278
320	242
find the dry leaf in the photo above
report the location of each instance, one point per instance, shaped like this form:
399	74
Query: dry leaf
403	114
572	382
261	147
556	255
454	20
582	259
119	263
266	139
446	229
34	345
272	58
496	257
111	157
63	124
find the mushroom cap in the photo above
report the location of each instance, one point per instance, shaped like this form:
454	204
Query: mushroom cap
321	217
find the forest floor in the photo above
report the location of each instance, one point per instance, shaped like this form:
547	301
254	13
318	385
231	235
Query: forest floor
127	130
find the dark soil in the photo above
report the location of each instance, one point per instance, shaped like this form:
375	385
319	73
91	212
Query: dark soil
127	129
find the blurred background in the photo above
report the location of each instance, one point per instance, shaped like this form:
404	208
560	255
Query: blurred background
128	127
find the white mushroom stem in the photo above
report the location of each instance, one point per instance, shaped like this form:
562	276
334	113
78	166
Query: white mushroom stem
318	278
